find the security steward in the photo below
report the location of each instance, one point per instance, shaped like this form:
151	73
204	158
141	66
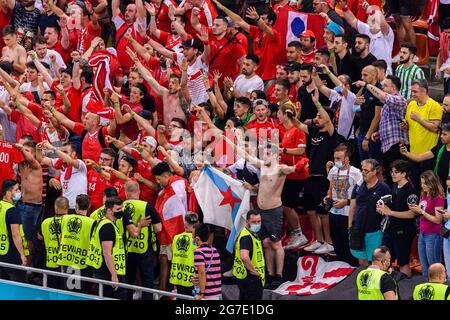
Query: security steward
51	233
375	283
107	250
434	289
182	269
140	249
11	241
249	261
75	241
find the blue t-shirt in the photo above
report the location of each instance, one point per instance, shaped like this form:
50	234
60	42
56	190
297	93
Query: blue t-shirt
366	214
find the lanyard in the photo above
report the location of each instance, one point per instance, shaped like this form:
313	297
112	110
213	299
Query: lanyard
346	184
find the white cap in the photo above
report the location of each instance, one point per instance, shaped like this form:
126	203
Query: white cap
151	141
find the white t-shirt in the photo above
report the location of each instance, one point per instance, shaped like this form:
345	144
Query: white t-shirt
243	85
381	46
346	115
195	84
346	182
46	59
77	184
27	87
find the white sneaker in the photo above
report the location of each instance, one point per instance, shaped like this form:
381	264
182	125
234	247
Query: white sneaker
296	241
137	295
324	248
313	246
228	274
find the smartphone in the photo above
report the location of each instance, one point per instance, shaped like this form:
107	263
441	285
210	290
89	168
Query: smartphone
440	211
319	69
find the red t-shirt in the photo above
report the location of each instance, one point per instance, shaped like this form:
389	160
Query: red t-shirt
293	138
267	49
65	54
25	126
163	21
207	15
271	93
226	60
122	55
130	129
120	186
242	40
270	125
96	185
90	146
145	169
8	156
74	97
172	42
309	58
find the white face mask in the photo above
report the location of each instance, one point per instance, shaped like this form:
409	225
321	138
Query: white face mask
17	196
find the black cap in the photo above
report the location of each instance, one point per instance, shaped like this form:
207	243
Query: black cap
147	115
132	161
191	43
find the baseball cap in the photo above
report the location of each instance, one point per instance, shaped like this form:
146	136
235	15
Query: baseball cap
147	115
335	28
230	22
132	161
258	102
151	141
308	33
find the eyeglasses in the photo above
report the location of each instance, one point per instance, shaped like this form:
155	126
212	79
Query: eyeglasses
105	159
172	126
367	171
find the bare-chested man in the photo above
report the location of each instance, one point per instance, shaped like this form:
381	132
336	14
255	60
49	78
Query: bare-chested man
30	206
13	52
271	182
170	96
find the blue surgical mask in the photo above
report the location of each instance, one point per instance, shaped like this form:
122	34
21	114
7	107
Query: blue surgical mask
339	164
17	196
356	108
255	227
339	89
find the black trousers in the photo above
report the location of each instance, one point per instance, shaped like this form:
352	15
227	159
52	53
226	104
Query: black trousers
339	235
185	290
108	291
250	288
143	263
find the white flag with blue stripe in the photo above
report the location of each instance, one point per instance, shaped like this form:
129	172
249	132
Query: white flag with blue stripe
223	200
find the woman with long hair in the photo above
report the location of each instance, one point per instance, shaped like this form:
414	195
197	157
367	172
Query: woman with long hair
431	200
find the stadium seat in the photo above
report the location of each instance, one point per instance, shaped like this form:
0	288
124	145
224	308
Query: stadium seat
422	51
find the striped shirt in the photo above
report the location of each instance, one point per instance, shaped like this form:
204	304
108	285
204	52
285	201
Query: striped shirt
407	77
393	111
207	256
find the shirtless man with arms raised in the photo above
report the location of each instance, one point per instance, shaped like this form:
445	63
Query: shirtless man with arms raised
30	206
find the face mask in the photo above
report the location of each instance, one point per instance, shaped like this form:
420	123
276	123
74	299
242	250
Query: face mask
339	89
339	164
356	108
255	227
17	196
118	214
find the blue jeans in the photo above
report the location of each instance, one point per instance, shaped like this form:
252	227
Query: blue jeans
430	246
374	148
29	214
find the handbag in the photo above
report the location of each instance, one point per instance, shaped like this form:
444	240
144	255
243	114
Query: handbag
444	232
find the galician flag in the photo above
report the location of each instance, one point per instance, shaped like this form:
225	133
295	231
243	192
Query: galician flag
223	200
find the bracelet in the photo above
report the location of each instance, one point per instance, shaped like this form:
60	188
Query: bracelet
329	72
133	114
318	106
116	105
141	180
52	109
141	149
17	104
420	121
209	90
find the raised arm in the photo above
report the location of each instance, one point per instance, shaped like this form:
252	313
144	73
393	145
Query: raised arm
348	15
143	122
141	12
235	17
378	93
319	84
32	162
323	113
56	10
28	114
217	108
176	168
42	70
195	22
334	79
253	14
63	156
76	71
161	49
203	36
152	26
66	122
146	74
115	6
184	81
65	43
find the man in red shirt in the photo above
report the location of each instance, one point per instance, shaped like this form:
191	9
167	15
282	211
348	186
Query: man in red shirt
266	40
308	41
9	155
92	135
96	182
117	178
132	23
205	10
263	127
163	10
227	53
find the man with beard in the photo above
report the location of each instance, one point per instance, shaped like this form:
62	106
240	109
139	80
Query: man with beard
408	71
248	81
25	21
364	57
308	41
294	79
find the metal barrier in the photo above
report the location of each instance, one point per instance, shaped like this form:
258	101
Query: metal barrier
101	283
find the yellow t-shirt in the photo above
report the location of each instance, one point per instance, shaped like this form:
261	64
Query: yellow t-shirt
421	139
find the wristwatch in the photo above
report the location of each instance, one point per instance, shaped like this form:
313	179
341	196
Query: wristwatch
209	90
284	150
231	89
